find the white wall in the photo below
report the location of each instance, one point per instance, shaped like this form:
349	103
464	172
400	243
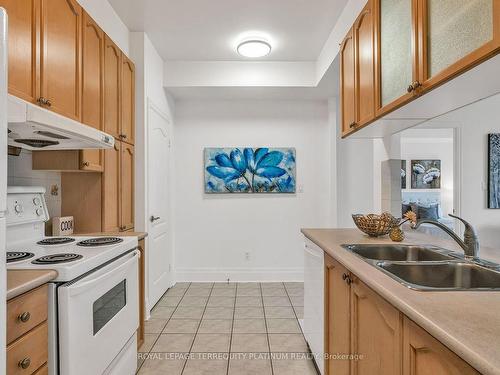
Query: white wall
474	122
213	232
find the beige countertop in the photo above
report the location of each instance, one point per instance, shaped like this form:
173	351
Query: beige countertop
468	323
22	281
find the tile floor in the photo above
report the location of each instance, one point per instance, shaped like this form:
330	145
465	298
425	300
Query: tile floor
227	329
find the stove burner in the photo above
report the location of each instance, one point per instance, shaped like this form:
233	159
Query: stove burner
15	256
99	241
56	241
57	258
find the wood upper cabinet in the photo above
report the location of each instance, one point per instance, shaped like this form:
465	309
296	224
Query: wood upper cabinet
357	57
347	83
112	78
396	49
424	355
364	51
127	100
111	190
376	332
337	313
24	21
415	46
452	39
117	192
127	187
92	88
61	30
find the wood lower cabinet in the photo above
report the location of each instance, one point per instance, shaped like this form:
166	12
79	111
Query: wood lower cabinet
60	60
32	306
379	339
24	22
376	332
424	355
127	187
337	314
27	333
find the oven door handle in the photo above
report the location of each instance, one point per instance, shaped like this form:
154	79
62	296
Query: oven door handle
104	273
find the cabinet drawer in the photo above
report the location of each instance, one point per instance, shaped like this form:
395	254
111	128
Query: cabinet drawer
25	312
31	350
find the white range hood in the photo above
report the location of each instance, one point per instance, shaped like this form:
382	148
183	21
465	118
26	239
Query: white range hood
34	128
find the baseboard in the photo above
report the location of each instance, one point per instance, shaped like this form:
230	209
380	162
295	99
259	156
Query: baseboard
240	274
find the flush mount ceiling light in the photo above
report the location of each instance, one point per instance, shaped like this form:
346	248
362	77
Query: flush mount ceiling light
254	48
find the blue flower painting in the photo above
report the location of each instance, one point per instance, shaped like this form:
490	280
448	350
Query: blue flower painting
250	170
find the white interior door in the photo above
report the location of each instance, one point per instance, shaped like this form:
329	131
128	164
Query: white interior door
159	252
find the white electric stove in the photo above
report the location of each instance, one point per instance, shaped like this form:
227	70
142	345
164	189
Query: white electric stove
93	302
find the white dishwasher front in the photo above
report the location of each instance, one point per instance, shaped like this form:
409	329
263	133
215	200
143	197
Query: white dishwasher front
314	305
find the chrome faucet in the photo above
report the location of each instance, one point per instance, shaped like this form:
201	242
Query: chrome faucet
470	243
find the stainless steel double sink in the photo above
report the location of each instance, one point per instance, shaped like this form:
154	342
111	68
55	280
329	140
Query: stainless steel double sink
430	268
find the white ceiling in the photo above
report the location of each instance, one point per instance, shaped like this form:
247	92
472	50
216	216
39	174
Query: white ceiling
208	30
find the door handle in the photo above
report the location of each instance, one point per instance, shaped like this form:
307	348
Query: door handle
154	218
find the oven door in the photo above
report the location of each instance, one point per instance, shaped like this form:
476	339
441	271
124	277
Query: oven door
98	315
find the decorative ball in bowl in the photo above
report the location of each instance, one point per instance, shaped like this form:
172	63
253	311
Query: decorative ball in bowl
375	225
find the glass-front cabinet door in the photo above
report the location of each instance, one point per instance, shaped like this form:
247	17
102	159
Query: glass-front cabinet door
454	36
397	52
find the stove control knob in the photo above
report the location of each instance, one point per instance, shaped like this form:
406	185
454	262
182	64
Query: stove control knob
18	208
39	212
36	201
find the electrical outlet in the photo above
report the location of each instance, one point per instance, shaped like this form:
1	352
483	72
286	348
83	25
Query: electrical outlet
248	256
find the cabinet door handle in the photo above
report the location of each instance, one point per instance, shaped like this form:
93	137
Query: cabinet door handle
43	101
415	85
24	363
24	317
86	164
352	125
347	278
154	218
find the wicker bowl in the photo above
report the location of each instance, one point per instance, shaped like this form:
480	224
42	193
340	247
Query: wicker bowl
375	225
